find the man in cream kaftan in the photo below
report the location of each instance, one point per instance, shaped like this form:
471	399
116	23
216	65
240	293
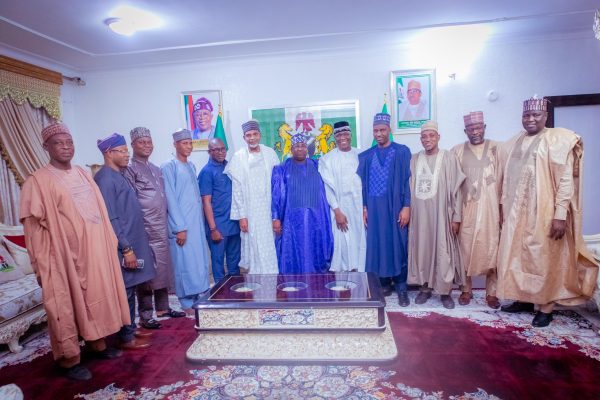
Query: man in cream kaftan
250	171
434	260
542	258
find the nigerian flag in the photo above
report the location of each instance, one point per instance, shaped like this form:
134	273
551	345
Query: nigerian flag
219	130
384	110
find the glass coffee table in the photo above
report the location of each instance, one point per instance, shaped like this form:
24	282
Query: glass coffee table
313	317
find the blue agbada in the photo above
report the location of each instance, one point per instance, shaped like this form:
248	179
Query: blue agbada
190	261
127	220
305	245
385	175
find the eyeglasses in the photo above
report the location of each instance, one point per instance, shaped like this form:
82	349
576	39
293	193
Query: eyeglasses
120	151
414	91
219	150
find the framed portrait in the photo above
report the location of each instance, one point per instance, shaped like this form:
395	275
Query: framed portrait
315	122
413	99
200	110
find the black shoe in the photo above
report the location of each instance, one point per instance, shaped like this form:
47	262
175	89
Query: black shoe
78	373
541	319
518	306
422	297
447	301
175	314
387	291
150	324
108	353
403	299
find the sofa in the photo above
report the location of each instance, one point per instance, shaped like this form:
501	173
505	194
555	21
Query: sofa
20	295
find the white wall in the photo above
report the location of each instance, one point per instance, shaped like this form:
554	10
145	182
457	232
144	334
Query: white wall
116	101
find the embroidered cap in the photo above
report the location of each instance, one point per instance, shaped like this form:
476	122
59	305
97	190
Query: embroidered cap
474	117
251	125
54	129
535	104
382	119
341	127
139	132
182	134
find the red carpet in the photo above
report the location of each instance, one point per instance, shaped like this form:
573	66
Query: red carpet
440	357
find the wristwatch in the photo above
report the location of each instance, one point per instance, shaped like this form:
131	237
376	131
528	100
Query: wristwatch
126	250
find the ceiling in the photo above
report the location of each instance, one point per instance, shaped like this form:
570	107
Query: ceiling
71	33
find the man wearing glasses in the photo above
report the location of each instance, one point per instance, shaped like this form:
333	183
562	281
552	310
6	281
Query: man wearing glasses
222	233
125	214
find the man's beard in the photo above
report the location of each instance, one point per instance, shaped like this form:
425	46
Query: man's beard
253	146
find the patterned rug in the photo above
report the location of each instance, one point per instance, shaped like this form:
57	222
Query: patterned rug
470	352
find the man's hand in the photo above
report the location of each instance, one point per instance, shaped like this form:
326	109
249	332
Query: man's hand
244	225
216	236
404	217
341	220
365	216
277	226
558	229
181	237
130	260
455	228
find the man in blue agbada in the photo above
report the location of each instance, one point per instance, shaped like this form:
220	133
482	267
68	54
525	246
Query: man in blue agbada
186	223
300	214
385	173
125	213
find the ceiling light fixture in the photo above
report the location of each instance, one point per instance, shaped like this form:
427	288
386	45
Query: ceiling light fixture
127	20
122	27
597	24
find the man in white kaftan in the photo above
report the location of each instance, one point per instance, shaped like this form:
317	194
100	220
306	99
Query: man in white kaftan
250	172
343	188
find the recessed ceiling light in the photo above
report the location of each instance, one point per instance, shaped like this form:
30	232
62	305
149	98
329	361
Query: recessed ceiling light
126	20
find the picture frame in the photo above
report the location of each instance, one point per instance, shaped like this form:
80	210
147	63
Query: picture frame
413	94
200	109
279	123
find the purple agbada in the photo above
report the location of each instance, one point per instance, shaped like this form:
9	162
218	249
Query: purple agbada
146	178
305	245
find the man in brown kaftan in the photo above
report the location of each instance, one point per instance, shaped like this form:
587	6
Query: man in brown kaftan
542	258
146	178
73	252
434	260
480	228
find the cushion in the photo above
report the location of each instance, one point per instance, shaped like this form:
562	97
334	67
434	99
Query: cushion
9	271
16	247
18	240
17	297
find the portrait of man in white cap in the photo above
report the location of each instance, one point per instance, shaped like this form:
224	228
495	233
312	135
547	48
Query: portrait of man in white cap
414	106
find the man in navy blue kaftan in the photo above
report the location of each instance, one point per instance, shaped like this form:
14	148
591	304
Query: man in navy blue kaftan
300	212
385	173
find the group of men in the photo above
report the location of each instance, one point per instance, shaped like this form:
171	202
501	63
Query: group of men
510	212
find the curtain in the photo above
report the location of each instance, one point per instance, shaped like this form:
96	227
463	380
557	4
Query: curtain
20	137
9	196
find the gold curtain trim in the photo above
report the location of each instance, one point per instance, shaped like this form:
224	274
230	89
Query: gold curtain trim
4	154
38	92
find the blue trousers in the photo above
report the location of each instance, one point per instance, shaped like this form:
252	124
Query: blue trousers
127	331
229	247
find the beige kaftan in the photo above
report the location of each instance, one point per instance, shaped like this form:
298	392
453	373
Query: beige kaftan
434	254
541	183
480	228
